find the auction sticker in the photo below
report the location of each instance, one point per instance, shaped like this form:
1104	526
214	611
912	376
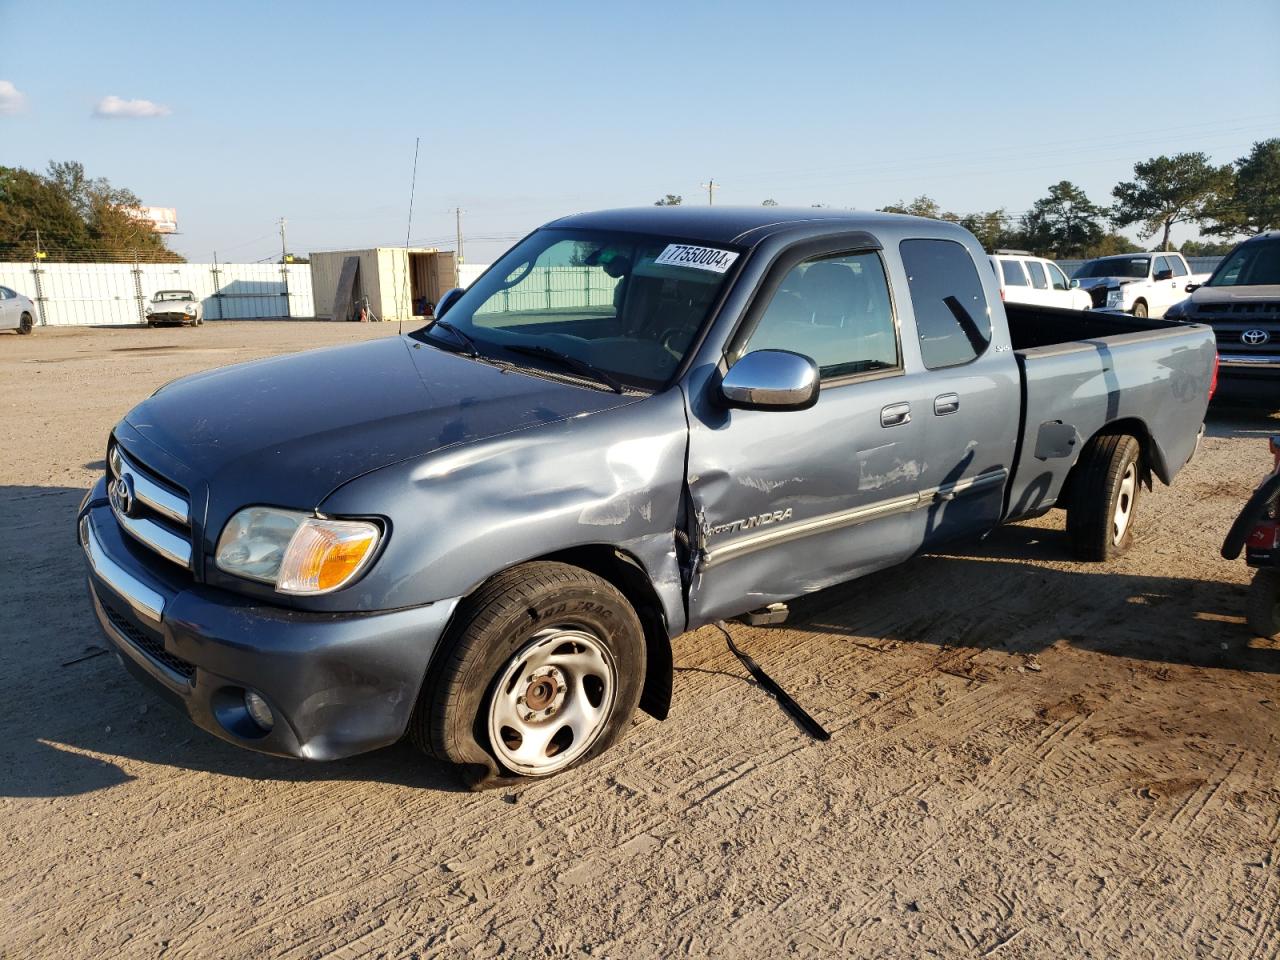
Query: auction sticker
700	258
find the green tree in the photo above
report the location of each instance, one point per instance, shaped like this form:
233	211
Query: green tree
670	200
921	206
993	229
1203	248
1252	204
1063	224
1110	244
1169	190
29	204
769	203
76	216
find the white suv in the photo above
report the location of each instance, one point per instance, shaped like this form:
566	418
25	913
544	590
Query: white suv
1035	280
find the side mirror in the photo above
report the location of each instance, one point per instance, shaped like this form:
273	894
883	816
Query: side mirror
1075	284
771	380
1192	287
448	300
1163	275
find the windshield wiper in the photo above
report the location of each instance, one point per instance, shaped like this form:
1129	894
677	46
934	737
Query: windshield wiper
576	364
468	345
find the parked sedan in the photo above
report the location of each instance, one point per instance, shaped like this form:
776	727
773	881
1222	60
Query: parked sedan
175	306
16	311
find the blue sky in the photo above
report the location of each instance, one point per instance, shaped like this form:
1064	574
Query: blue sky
526	112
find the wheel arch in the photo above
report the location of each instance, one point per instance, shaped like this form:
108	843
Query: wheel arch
625	572
1152	461
630	576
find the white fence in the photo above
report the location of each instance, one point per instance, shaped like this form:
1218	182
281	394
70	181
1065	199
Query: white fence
68	294
549	288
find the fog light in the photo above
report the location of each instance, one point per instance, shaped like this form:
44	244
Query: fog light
259	710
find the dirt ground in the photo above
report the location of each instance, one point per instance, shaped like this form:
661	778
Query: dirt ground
1030	757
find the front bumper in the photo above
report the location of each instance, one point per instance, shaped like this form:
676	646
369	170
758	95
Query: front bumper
1247	378
337	684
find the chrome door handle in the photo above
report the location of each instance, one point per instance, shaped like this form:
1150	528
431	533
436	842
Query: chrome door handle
946	403
895	414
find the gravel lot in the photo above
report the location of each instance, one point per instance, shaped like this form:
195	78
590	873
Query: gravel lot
1030	757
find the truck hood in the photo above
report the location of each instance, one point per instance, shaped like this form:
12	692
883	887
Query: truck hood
1265	292
289	430
1088	283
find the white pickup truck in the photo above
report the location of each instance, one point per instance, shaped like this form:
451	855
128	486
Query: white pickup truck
1143	284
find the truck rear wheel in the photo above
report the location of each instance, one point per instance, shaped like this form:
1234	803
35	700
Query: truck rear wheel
1104	497
542	670
1264	604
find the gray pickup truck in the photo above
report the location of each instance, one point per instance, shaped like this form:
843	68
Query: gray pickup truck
485	533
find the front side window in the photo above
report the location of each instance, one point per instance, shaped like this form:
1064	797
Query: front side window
953	320
1162	266
629	305
1179	268
1057	277
1038	279
835	310
1013	275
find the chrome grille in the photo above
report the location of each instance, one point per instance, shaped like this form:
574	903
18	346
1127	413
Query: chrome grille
149	509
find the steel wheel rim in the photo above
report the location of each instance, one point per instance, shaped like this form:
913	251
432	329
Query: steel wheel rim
552	701
1124	503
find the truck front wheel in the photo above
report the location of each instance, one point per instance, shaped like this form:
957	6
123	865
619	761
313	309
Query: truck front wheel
1140	309
1264	604
542	670
1104	497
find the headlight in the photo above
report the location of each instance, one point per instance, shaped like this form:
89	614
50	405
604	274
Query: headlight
1115	297
295	552
149	311
1178	311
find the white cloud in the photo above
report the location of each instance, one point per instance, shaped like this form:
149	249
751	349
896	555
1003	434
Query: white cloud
12	100
113	107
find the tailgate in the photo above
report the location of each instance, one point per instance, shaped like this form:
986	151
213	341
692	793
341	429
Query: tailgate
1159	377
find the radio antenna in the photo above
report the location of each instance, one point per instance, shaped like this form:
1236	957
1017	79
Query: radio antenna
408	230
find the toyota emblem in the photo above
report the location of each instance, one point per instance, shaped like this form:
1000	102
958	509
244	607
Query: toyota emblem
120	493
1255	337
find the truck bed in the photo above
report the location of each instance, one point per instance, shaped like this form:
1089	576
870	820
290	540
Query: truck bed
1082	371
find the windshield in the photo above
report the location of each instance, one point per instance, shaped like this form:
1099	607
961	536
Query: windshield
1249	265
173	295
625	304
1136	267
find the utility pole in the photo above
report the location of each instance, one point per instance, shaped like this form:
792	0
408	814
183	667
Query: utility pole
284	245
284	268
712	187
457	225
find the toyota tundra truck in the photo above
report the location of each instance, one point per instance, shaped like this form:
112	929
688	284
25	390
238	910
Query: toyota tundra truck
1241	301
484	534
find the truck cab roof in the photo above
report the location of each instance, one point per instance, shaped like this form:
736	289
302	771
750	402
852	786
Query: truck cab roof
745	225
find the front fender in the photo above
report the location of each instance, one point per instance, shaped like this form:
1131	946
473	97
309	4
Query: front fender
459	516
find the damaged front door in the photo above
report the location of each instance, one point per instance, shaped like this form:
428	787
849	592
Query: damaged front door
790	501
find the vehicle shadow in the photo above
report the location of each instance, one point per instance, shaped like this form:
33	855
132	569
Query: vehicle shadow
74	721
987	594
1237	420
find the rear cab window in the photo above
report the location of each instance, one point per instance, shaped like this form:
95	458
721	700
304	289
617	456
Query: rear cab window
953	321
